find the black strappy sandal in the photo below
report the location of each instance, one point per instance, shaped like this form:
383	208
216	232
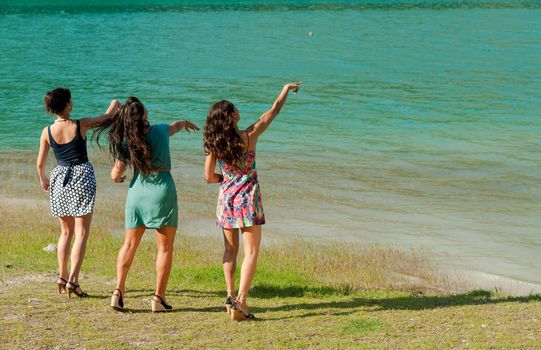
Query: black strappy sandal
117	302
160	305
72	288
228	304
61	283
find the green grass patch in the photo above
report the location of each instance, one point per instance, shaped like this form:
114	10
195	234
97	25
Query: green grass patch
363	326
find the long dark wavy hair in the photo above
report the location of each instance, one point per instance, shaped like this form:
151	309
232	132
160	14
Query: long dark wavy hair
220	136
126	135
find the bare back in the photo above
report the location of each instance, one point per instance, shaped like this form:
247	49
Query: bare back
250	141
64	132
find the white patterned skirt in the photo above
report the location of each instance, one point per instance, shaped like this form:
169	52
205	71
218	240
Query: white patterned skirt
72	190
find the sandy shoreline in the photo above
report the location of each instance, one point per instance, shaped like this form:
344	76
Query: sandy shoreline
473	280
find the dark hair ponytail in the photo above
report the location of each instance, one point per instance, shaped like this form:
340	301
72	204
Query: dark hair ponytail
56	100
127	135
220	137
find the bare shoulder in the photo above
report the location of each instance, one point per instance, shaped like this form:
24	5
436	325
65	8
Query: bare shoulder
248	131
45	133
249	137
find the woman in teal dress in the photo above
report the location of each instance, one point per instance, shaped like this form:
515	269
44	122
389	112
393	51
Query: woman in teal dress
152	196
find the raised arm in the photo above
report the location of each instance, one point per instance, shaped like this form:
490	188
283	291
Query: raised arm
89	123
42	160
266	119
210	176
178	125
117	173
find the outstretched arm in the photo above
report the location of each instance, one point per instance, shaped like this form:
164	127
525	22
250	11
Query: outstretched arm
266	119
42	159
117	173
181	124
210	176
89	123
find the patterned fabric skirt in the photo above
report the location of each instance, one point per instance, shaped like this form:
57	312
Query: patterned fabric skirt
73	190
239	206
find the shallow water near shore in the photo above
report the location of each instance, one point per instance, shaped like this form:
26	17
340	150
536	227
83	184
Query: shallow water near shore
417	125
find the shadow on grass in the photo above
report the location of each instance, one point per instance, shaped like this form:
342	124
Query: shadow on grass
353	303
180	309
411	302
191	293
95	296
270	291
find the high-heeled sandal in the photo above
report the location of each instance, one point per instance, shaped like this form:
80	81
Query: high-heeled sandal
61	283
72	288
117	302
228	304
237	314
160	305
229	301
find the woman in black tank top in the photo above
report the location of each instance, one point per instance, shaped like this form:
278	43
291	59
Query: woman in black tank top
72	185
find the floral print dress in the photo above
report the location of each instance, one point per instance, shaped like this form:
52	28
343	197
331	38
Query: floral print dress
239	200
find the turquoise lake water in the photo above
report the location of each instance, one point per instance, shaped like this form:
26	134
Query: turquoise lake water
418	123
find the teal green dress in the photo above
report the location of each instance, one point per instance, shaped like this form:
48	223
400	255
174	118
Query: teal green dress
152	197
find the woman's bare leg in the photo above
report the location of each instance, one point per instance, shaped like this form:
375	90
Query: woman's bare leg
132	238
231	249
82	230
251	237
67	227
165	239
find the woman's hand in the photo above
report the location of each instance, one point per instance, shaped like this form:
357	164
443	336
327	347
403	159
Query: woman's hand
114	106
117	173
259	127
45	184
293	86
120	179
181	125
189	126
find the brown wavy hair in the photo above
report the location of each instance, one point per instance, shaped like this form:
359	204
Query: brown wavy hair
126	135
220	136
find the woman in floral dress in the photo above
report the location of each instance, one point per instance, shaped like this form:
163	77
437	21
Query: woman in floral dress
239	200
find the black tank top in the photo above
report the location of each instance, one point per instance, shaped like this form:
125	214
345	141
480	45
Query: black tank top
71	153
